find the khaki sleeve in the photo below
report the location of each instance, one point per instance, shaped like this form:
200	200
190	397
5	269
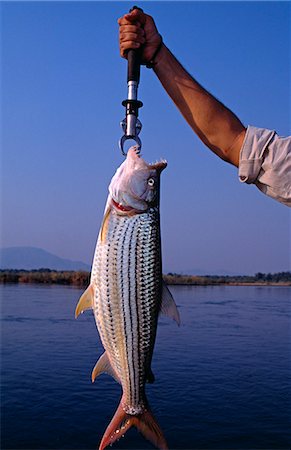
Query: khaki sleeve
265	160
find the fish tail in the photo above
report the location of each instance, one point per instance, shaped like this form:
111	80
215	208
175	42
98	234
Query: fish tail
144	422
150	429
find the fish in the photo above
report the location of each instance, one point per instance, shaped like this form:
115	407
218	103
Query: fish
127	293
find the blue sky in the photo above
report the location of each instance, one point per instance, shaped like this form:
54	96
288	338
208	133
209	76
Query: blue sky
62	86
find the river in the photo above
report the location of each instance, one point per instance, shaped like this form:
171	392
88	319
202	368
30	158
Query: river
221	377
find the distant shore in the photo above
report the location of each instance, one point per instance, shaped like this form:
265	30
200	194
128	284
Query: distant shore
82	278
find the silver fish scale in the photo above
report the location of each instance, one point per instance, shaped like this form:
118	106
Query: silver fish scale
126	275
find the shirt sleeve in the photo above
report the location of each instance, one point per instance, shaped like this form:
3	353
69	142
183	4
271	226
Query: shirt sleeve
265	160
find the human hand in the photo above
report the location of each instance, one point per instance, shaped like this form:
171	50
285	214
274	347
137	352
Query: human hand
138	30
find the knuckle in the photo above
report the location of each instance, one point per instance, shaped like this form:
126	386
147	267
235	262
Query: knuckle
132	44
134	37
122	20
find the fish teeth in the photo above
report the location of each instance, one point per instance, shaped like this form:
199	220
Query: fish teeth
158	161
137	149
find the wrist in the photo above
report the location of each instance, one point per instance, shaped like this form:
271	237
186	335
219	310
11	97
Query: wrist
153	60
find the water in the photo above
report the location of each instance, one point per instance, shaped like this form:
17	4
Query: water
221	378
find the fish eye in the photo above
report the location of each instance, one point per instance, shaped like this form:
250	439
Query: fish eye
151	182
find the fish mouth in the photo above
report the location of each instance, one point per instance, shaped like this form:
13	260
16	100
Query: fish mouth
135	152
158	165
126	210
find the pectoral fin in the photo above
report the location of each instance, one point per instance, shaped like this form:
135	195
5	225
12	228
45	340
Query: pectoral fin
103	366
85	302
168	305
104	226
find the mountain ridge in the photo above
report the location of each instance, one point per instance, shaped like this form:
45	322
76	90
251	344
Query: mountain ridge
33	258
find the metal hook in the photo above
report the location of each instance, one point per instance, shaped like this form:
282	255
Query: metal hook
126	138
136	130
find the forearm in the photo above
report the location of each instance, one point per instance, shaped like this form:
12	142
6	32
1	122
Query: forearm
215	124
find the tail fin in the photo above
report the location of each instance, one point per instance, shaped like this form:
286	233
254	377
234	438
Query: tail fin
145	423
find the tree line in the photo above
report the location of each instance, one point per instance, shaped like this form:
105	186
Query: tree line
258	278
82	278
46	276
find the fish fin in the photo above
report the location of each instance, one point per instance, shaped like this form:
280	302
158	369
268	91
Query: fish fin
85	302
150	429
104	226
103	365
144	422
168	305
120	423
150	378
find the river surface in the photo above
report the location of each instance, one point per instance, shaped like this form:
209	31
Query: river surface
221	378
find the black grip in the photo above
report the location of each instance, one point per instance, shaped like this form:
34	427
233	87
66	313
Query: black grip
133	59
133	65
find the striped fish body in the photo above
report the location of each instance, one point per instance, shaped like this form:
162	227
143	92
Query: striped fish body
126	293
126	278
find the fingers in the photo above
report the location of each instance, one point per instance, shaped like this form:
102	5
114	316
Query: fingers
128	45
136	17
131	32
130	36
136	30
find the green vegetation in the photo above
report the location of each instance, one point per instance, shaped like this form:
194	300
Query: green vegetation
78	278
45	276
280	278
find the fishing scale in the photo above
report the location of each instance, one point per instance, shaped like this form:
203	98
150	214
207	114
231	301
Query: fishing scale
131	125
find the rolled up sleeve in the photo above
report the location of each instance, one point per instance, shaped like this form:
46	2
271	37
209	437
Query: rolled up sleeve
265	160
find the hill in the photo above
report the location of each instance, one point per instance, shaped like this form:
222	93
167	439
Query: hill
33	258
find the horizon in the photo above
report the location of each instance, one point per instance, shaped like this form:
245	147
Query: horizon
194	272
61	128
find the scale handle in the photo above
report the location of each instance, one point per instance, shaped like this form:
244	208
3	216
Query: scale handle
133	60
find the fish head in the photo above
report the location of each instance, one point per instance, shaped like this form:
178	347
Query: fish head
136	184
